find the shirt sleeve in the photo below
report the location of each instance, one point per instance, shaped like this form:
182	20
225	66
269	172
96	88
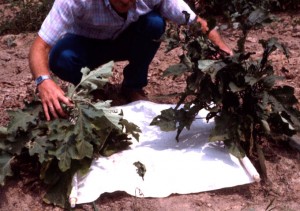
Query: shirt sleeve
173	10
59	20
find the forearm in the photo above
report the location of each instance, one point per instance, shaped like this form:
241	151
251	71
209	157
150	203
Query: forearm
38	58
50	93
214	36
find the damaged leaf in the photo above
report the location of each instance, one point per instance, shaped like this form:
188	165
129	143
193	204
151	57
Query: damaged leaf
64	146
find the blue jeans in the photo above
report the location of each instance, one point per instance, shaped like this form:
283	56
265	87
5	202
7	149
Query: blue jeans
138	44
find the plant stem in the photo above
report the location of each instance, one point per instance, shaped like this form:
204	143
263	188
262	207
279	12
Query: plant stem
261	159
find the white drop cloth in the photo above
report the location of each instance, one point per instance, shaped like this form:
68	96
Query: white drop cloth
189	166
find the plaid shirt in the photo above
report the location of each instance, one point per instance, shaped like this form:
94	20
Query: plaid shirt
97	19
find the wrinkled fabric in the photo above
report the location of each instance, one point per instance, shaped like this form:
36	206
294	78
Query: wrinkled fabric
191	165
97	19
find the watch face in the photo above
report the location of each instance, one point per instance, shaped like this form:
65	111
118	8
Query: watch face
40	79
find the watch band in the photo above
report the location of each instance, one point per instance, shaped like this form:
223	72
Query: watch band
41	78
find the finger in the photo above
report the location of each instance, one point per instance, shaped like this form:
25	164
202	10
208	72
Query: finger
59	109
66	101
53	111
46	111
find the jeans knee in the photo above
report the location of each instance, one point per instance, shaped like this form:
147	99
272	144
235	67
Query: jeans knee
152	25
59	60
63	64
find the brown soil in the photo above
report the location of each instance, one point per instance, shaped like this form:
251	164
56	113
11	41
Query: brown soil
22	193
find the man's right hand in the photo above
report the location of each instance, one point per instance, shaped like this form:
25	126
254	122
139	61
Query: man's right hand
52	96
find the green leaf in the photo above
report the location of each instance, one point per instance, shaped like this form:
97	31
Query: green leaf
141	169
283	101
84	148
272	44
211	67
251	80
184	59
59	183
269	81
285	95
63	145
89	124
40	146
266	126
70	90
204	64
96	79
166	120
217	135
103	105
114	145
175	70
59	130
257	17
235	149
131	128
14	145
65	153
84	132
5	169
281	123
185	117
222	129
286	121
95	126
234	88
112	114
21	120
3	137
3	133
50	173
238	90
58	193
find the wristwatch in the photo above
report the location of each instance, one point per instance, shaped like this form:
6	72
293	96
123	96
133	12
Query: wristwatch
41	78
